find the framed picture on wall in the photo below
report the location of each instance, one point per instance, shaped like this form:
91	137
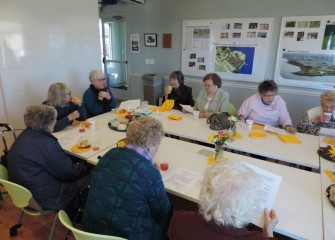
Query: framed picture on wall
150	39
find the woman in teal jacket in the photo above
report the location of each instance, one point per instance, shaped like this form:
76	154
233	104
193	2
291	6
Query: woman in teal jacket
127	196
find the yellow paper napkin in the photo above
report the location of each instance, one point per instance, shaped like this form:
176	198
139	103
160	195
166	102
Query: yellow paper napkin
237	135
289	139
173	117
257	127
330	175
168	104
211	161
329	141
122	115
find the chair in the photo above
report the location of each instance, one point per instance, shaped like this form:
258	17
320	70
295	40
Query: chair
82	235
22	198
3	175
231	109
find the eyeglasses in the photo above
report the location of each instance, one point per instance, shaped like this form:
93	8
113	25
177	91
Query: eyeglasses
269	95
100	79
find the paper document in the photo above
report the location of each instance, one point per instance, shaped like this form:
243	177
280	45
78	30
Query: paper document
274	129
327	132
130	104
187	108
269	183
181	179
69	139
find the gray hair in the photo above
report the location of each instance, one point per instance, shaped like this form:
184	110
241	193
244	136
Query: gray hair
229	194
56	94
328	96
145	132
96	74
40	117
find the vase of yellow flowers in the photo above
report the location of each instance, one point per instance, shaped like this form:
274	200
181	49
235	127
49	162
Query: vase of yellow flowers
233	119
219	139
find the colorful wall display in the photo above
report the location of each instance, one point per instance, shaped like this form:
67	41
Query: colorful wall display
306	52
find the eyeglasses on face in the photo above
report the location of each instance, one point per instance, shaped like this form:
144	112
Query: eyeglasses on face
100	79
269	95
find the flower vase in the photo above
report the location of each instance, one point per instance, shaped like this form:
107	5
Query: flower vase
233	129
218	155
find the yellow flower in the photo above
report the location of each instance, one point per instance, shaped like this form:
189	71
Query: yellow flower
211	137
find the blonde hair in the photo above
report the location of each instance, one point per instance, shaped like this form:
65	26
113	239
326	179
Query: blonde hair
96	74
145	132
56	95
229	194
41	116
328	96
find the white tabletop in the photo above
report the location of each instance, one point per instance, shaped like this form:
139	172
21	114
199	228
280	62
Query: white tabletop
304	154
328	208
102	136
298	203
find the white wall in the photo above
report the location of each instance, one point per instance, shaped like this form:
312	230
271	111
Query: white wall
43	42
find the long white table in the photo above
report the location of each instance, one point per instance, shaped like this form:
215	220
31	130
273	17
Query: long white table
304	154
328	208
298	202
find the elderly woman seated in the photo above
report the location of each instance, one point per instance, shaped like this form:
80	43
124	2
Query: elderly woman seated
267	108
127	196
228	202
37	162
319	117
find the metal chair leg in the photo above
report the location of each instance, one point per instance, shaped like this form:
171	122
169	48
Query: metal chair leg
54	226
13	229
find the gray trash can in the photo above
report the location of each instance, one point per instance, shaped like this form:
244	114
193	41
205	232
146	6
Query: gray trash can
152	88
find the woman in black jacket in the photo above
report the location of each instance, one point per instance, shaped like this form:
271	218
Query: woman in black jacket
177	91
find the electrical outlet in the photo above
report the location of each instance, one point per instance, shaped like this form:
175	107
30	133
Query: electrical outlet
147	61
152	61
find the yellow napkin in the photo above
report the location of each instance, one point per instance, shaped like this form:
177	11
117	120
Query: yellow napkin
82	123
289	139
173	117
237	135
154	109
122	115
330	175
257	127
211	161
168	104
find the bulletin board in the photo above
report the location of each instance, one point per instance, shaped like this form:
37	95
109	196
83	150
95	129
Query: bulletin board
234	48
306	52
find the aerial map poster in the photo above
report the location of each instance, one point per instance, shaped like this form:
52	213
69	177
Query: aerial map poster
235	48
306	52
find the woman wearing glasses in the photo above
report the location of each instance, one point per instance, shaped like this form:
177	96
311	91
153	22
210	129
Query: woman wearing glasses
68	108
98	98
267	108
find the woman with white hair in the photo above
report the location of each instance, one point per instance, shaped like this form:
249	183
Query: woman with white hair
68	108
127	196
98	98
228	202
319	117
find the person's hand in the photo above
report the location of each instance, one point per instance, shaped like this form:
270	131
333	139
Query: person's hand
290	129
184	111
271	220
202	115
73	115
103	94
107	95
168	89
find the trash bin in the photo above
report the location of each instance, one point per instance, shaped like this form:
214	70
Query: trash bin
152	88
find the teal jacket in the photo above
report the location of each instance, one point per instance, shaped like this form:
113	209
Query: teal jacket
127	198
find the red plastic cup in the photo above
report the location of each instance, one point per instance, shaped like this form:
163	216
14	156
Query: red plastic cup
164	166
96	149
82	130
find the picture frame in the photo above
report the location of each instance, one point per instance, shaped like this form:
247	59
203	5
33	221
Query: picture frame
150	39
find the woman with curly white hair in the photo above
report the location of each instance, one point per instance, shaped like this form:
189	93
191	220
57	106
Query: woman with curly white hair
229	201
127	196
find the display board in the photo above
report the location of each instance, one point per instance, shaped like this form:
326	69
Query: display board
306	52
234	48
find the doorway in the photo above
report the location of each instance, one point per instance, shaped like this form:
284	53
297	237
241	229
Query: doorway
114	51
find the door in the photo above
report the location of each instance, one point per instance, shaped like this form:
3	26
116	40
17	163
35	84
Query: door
114	51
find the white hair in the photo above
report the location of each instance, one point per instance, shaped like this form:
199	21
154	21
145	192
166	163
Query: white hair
229	194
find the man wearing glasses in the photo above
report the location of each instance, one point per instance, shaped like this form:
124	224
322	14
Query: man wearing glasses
98	98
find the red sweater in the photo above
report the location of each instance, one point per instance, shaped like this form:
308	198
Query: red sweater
192	226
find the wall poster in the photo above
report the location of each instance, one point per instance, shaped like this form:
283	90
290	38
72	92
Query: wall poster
235	48
306	52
